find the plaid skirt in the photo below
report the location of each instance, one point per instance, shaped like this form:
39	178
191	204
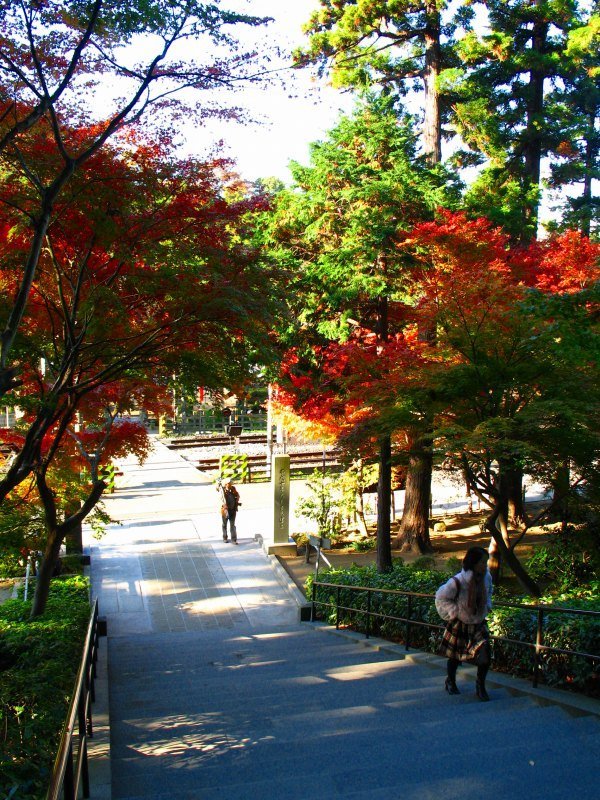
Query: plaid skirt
464	642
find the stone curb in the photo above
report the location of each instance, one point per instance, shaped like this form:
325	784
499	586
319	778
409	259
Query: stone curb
99	744
284	579
574	704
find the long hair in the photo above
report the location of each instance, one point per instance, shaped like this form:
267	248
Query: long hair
473	556
477	597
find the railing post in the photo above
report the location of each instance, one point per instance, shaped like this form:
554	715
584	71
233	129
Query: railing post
337	608
408	617
90	672
312	602
69	779
85	769
89	690
539	640
368	613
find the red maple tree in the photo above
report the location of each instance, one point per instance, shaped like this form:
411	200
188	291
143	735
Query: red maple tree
139	273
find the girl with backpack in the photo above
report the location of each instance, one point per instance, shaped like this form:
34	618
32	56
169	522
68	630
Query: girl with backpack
464	603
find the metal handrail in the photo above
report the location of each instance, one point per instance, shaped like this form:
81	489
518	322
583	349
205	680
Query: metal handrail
70	767
538	647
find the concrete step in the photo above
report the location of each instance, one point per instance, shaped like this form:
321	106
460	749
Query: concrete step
297	715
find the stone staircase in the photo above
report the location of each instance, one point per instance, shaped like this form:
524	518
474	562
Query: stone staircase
296	714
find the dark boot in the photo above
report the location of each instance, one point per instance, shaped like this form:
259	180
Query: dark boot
480	689
450	684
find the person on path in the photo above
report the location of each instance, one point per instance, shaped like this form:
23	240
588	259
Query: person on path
464	603
230	501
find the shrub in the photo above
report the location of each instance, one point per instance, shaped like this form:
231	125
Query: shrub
322	504
424	562
39	660
364	545
453	565
571	558
560	630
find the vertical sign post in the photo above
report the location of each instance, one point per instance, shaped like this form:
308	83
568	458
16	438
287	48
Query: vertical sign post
280	480
269	430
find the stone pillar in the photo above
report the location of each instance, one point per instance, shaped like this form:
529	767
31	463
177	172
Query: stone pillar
280	433
280	481
269	431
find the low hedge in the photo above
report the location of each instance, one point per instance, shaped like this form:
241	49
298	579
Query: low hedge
560	630
39	660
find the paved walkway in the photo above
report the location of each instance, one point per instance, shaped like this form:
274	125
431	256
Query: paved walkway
166	568
217	691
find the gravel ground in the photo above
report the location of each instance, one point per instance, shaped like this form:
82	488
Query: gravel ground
251	449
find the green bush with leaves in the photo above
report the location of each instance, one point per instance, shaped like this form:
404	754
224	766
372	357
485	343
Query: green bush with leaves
21	530
322	504
364	545
39	660
561	631
571	558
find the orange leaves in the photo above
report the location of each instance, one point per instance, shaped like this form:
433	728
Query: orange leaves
342	381
11	439
566	263
463	276
125	437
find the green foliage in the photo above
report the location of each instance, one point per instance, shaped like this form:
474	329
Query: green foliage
364	545
503	198
21	529
353	483
529	92
453	565
38	661
323	503
339	227
560	630
423	562
570	560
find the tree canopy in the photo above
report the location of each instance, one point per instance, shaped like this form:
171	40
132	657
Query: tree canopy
54	54
147	270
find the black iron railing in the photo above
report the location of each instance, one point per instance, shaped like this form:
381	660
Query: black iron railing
537	647
71	765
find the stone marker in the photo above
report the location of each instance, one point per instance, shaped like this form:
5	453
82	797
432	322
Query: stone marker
280	480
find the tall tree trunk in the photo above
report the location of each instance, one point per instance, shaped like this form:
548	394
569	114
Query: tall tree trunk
591	153
500	517
360	513
56	533
535	120
384	481
514	488
432	128
74	537
560	488
495	561
414	527
46	571
384	492
508	555
496	525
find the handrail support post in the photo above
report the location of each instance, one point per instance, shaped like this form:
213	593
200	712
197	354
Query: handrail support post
539	641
